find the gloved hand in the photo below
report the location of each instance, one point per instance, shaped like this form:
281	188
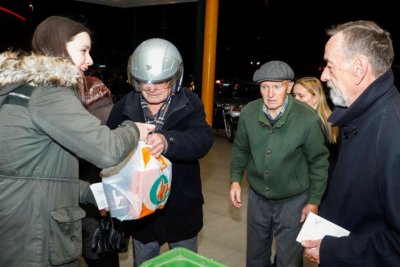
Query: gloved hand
109	236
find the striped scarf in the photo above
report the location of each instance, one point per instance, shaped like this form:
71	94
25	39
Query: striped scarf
158	118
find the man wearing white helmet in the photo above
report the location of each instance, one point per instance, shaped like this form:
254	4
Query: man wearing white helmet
155	69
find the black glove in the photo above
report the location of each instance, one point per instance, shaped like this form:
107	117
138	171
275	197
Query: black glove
109	236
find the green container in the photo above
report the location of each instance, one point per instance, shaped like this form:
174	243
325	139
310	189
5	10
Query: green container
181	257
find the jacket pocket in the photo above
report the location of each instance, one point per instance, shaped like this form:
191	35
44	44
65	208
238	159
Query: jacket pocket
65	234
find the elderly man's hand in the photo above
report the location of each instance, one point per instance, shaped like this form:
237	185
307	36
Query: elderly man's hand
235	194
309	207
311	249
157	143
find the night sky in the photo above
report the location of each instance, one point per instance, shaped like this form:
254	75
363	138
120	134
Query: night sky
251	30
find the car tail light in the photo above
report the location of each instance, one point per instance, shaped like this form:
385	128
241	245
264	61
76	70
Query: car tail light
237	108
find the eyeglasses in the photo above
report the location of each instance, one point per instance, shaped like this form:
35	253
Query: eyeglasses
155	86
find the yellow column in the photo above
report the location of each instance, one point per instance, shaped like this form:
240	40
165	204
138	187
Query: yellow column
209	55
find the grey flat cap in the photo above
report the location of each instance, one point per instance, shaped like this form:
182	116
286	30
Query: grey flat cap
273	71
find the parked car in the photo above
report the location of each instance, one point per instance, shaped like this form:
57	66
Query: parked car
229	98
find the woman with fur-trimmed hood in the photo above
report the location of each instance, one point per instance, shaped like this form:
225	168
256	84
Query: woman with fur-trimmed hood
44	128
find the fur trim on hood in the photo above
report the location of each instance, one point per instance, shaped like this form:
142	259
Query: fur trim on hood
39	70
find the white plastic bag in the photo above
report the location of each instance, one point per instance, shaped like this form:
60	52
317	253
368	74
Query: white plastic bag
138	186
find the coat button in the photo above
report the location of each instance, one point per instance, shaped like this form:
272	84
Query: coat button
267	189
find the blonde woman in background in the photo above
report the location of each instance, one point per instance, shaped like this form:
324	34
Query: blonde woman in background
310	91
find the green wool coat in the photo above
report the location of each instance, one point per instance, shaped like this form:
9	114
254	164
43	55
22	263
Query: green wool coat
284	160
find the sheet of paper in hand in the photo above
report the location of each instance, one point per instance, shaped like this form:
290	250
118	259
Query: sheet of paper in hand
315	227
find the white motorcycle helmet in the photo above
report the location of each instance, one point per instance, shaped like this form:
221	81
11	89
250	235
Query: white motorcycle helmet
155	61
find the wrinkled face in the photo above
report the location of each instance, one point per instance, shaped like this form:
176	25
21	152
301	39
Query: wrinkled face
78	49
303	95
274	94
155	93
337	73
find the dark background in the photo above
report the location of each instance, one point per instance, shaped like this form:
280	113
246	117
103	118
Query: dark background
248	31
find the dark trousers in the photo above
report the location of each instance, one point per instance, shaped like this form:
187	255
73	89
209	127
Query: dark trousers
268	219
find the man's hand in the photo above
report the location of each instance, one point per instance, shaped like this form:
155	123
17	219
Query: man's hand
309	207
311	249
157	143
235	194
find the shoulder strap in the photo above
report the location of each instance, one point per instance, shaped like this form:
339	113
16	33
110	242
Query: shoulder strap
16	95
4	93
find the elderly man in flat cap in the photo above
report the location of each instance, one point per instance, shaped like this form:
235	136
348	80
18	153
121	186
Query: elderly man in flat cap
280	146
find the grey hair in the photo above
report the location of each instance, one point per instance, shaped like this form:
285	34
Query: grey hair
368	39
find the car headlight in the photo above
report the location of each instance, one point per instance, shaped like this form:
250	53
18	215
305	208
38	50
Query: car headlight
227	107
